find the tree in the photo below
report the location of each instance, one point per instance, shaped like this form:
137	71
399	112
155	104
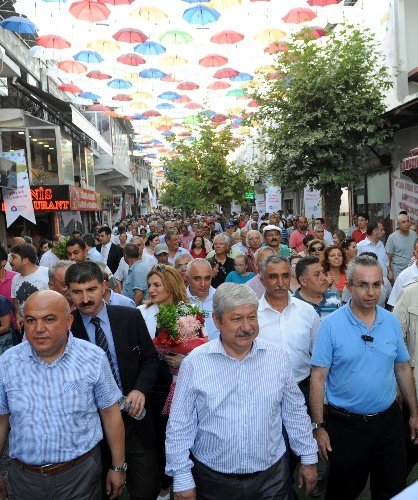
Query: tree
199	176
323	112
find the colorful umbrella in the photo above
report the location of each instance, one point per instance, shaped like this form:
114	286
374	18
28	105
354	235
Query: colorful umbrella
121	97
151	113
104	45
219	85
176	37
253	104
235	93
223	4
98	75
213	60
139	105
165	105
152	73
174	61
149	13
299	15
88	56
131	59
183	99
70	66
130	35
20	25
226	73
53	42
201	15
116	2
188	86
70	87
89	10
269	35
275	47
169	95
242	77
227	36
89	95
193	105
98	107
119	83
322	3
150	48
170	77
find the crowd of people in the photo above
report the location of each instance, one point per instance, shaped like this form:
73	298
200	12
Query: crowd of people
304	366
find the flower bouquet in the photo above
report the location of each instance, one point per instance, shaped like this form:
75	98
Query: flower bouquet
180	328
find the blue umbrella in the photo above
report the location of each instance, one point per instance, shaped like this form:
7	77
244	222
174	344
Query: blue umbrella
152	73
89	95
149	48
155	141
20	25
140	117
241	77
207	112
201	15
88	56
167	134
169	95
165	105
236	121
119	83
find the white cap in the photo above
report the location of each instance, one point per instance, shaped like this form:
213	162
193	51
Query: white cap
271	227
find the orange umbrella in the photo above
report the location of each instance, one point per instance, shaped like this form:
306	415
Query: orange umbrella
98	75
53	42
89	10
193	105
274	47
227	36
131	59
212	60
70	87
70	66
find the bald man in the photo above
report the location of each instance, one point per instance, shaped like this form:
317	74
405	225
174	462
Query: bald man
400	247
65	385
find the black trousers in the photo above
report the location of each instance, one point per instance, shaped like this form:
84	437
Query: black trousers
360	448
271	484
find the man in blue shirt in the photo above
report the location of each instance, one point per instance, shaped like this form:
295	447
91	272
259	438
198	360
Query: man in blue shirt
360	355
135	285
52	390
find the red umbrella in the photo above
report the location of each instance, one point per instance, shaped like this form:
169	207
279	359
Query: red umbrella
116	2
299	15
188	86
98	107
169	78
130	35
219	86
322	3
70	66
275	47
193	105
253	104
227	36
311	32
184	134
226	73
213	60
183	99
70	87
122	97
218	118
89	10
53	42
151	113
131	59
98	75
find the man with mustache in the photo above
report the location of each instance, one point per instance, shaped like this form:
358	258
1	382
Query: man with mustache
272	237
233	396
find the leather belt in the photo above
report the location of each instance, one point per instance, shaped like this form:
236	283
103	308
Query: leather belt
344	414
48	469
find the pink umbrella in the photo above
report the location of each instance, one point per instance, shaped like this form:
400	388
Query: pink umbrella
322	3
89	10
98	75
193	105
130	35
53	42
131	59
253	104
219	86
213	60
274	47
183	99
122	97
311	32
70	87
227	36
226	73
219	118
188	86
98	107
151	113
70	66
299	15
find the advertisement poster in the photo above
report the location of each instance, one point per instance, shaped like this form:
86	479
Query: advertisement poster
313	203
18	201
273	199
404	197
67	161
235	208
260	203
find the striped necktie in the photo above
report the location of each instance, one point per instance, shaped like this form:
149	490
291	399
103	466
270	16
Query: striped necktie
101	341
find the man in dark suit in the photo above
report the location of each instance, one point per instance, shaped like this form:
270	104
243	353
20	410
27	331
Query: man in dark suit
123	335
111	253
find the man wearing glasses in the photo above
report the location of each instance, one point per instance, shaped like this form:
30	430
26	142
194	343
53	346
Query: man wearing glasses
360	355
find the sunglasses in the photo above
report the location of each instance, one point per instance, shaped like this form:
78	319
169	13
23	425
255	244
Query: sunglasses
317	249
159	267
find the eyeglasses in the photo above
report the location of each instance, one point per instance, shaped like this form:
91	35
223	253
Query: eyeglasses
317	249
181	266
365	286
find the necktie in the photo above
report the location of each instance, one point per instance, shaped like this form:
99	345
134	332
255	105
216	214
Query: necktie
101	341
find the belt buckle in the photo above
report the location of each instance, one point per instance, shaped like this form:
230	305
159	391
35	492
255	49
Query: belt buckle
45	467
369	416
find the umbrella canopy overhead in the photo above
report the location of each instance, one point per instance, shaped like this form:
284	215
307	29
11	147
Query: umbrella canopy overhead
130	35
89	10
20	25
201	15
53	42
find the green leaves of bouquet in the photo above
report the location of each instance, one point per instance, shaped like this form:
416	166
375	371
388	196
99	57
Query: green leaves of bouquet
168	315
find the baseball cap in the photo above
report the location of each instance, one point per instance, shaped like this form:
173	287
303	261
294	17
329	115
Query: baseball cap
271	227
231	223
161	248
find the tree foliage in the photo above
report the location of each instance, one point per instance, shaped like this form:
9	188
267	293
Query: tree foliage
199	176
323	111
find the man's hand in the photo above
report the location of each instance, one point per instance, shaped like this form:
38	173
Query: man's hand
413	426
137	401
307	477
174	361
324	445
115	482
185	495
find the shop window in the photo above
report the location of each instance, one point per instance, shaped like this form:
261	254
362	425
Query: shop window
43	150
12	140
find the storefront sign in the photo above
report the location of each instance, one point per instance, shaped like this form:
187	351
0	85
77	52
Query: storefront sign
404	197
84	200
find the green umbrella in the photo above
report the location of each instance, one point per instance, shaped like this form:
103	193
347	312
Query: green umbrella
235	93
191	120
176	37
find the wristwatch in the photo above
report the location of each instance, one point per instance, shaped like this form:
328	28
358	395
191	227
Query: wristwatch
119	468
319	425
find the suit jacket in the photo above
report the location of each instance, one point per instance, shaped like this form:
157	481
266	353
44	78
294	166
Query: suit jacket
113	259
136	355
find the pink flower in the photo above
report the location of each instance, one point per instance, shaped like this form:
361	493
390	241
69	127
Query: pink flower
188	328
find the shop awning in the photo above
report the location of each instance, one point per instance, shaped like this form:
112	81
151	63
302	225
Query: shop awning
409	166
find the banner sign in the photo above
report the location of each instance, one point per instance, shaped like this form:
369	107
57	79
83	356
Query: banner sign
313	203
404	197
260	203
273	199
18	201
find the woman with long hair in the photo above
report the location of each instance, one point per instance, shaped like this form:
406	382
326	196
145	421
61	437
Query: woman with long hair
334	264
349	247
338	237
152	241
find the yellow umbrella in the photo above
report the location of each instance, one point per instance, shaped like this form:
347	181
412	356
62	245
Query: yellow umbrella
243	130
104	45
236	111
149	13
222	4
139	105
134	78
173	61
251	85
269	35
141	94
266	69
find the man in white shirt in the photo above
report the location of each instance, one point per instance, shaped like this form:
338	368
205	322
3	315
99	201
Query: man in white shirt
405	277
319	221
373	243
92	253
200	292
172	241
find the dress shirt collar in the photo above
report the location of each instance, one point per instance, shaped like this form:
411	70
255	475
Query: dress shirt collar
356	321
263	304
209	296
32	353
102	315
108	245
216	347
